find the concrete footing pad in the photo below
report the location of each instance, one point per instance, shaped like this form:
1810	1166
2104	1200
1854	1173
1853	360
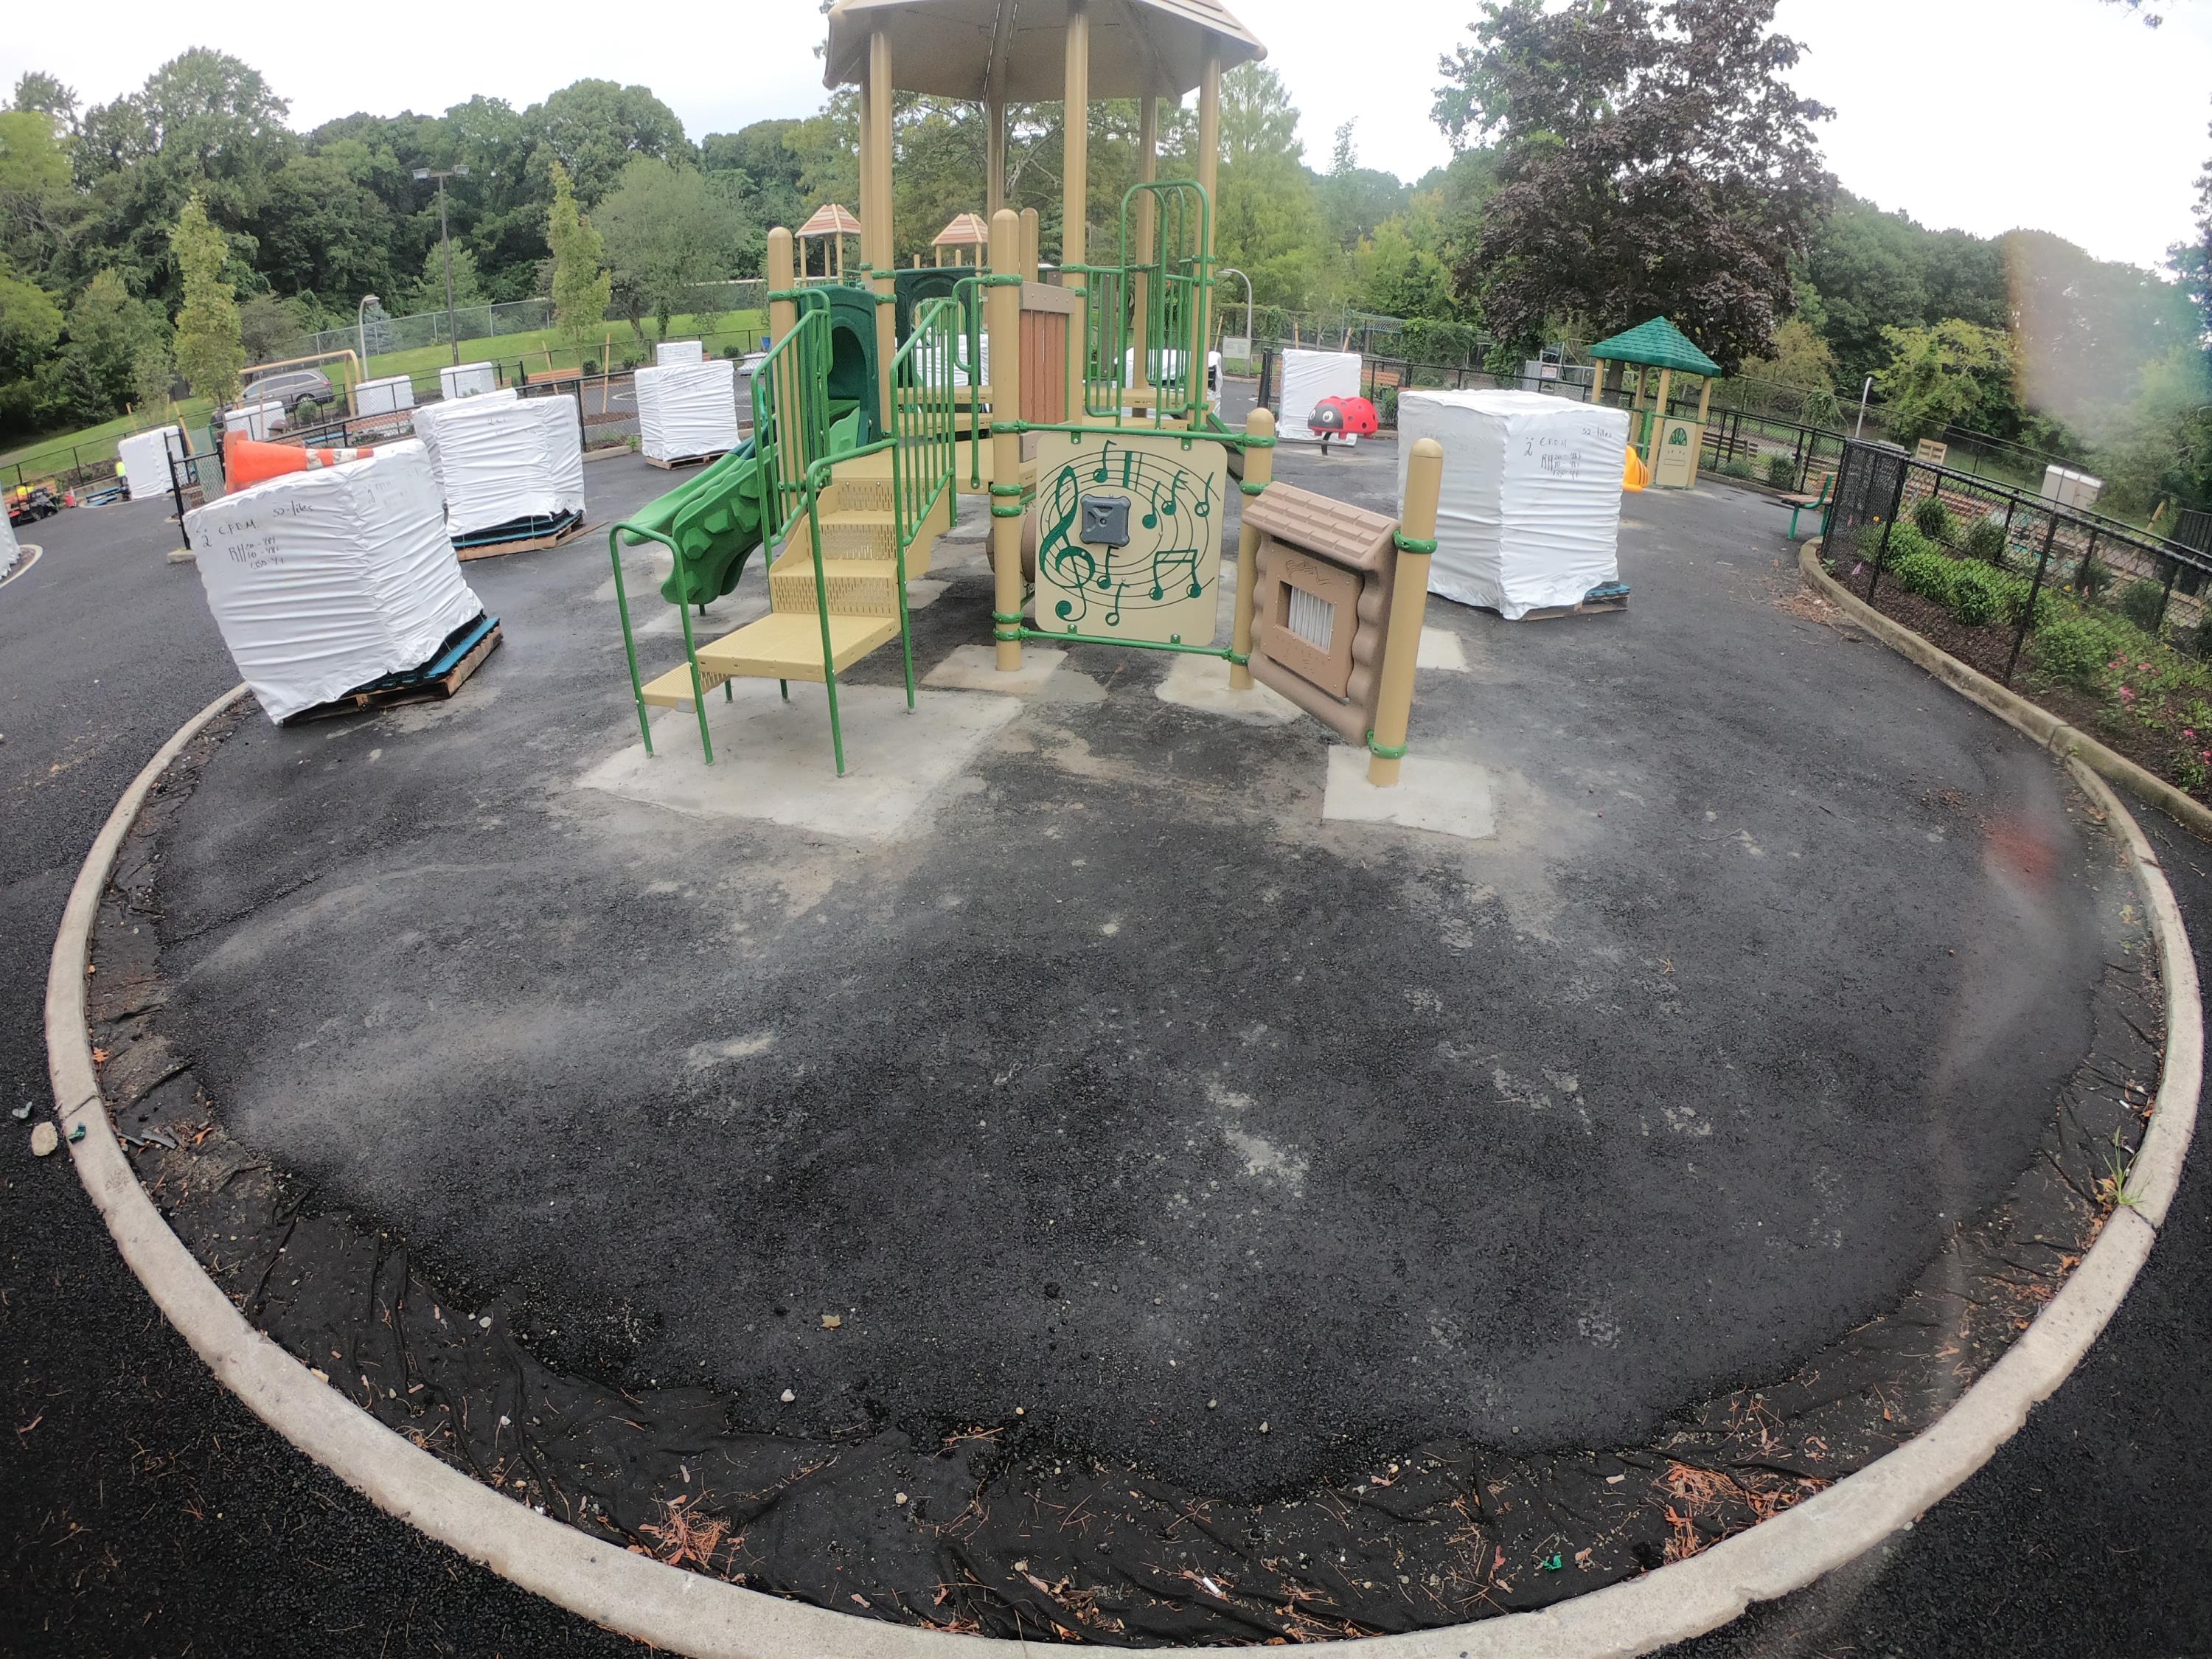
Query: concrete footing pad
1202	684
975	668
773	759
1448	797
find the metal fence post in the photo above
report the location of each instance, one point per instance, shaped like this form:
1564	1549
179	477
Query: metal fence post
1889	524
2034	588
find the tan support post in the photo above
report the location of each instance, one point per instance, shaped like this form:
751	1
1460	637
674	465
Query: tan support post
782	317
876	156
1148	169
1032	256
994	155
1005	316
1258	472
1409	605
1209	179
1704	409
1075	206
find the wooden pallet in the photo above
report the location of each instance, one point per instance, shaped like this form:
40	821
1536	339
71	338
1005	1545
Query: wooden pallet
522	544
1585	608
437	680
675	461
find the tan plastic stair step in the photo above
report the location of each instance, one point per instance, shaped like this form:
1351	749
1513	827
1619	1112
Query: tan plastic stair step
787	646
673	688
857	586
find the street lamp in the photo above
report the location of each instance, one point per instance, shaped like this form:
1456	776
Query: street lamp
360	323
426	173
1232	270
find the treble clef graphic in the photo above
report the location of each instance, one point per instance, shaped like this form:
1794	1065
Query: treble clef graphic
1056	549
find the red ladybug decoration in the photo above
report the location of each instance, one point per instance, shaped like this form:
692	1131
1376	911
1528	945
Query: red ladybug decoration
1344	417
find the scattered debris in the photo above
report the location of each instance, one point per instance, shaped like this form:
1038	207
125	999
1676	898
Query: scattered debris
831	1321
44	1140
22	1111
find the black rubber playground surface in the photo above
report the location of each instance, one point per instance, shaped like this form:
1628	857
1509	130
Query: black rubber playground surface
1581	1127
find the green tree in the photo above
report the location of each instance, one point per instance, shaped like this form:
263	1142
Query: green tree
468	283
1354	200
582	287
268	330
1653	159
1266	222
1955	373
106	329
30	324
596	128
323	231
208	349
152	371
669	232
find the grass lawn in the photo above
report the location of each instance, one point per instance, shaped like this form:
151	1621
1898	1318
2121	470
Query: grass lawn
93	444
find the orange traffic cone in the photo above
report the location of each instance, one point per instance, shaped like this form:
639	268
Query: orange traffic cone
250	461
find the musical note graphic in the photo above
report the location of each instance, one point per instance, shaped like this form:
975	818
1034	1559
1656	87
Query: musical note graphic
1159	586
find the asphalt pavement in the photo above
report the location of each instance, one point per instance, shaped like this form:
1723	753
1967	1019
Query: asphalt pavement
146	1512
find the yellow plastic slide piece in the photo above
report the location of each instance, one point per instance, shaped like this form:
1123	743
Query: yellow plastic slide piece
1634	475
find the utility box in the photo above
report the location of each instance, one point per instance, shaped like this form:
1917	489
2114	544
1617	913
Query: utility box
261	422
2063	487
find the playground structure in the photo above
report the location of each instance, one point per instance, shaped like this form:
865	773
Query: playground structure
1670	445
831	223
1080	408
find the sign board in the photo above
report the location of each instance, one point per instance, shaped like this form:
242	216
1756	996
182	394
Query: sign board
1676	466
1129	536
1236	348
1930	452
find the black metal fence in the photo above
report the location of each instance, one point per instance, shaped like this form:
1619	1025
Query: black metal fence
2032	553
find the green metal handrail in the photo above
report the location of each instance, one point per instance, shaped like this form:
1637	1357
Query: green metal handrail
1180	277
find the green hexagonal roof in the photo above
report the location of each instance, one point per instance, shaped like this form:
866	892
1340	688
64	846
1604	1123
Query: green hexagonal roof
1658	345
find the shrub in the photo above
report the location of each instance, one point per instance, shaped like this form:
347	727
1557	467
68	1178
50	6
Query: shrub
1986	540
1735	467
2197	639
2140	602
2090	578
2077	650
630	362
1933	519
1781	470
1976	596
2012	601
305	412
589	366
1926	573
2189	770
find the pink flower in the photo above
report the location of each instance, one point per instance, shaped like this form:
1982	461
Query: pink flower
2126	695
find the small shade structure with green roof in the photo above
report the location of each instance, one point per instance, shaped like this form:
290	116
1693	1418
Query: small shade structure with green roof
1659	345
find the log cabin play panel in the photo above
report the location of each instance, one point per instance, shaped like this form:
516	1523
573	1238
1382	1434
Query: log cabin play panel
1112	1198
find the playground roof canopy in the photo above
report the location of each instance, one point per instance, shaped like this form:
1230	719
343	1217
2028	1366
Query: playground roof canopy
831	220
968	48
965	230
1658	345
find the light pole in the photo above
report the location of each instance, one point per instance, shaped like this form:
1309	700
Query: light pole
452	335
1232	270
361	324
1865	392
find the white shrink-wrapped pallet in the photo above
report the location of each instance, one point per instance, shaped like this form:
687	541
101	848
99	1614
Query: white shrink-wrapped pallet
10	549
144	459
679	351
1309	377
500	458
387	396
467	381
1530	515
323	580
687	409
260	422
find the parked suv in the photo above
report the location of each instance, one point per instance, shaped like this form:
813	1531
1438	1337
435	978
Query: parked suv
290	387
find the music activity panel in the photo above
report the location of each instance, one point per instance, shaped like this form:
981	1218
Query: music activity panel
1129	536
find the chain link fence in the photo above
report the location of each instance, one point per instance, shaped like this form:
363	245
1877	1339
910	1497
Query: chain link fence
1983	566
710	303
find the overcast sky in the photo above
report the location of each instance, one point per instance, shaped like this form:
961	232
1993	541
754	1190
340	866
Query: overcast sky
2062	114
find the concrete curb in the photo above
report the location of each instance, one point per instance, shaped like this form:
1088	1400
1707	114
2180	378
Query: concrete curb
2047	729
27	555
707	1619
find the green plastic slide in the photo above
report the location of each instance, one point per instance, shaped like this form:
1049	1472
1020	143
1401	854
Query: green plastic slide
715	518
